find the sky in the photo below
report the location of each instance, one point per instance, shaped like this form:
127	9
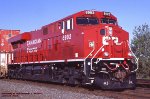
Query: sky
28	15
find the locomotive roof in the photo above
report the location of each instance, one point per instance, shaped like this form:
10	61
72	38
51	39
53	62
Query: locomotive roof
82	13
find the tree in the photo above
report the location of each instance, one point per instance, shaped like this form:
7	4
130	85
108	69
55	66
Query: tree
140	45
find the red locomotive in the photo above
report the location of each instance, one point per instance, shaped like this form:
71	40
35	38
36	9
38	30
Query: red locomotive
5	49
87	47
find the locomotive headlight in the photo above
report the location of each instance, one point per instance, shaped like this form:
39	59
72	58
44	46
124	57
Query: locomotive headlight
106	54
129	54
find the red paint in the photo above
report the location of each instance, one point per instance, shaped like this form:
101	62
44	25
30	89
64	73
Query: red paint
4	36
52	43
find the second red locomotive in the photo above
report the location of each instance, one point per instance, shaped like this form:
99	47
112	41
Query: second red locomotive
87	47
5	49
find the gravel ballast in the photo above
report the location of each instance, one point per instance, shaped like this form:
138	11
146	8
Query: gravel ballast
10	89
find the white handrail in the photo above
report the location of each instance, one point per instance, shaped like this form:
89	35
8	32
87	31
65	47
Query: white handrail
137	59
87	57
95	55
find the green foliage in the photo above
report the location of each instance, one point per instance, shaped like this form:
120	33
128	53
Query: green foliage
141	47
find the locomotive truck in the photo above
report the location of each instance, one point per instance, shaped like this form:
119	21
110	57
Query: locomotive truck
88	47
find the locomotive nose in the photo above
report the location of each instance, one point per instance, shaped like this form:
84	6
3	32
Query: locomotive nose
113	41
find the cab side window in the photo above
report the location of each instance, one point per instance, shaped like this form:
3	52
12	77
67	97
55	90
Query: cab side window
69	24
62	27
66	25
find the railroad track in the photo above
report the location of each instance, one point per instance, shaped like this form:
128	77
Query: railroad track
143	83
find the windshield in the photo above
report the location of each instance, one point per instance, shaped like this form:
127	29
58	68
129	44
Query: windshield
87	20
108	21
